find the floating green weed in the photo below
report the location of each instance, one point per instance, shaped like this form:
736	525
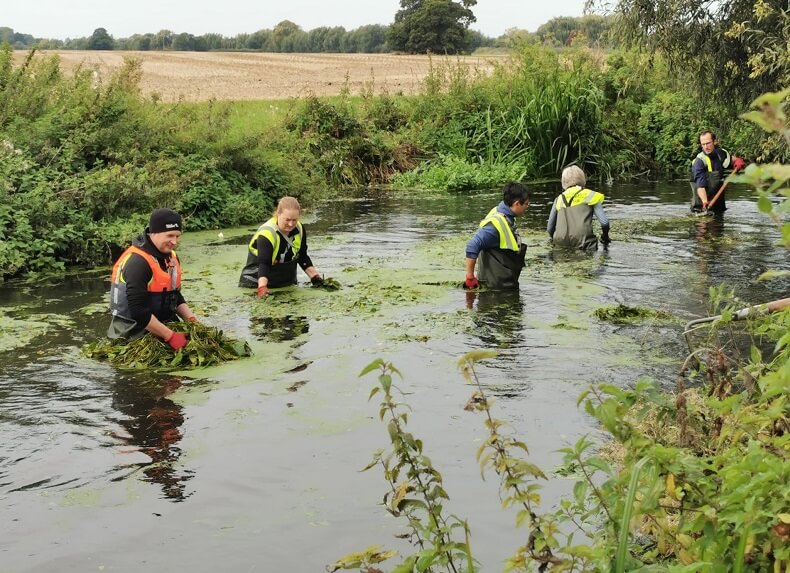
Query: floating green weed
207	346
624	314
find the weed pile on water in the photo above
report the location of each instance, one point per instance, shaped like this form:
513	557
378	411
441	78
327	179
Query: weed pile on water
624	314
207	346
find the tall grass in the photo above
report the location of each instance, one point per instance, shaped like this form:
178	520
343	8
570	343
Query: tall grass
538	112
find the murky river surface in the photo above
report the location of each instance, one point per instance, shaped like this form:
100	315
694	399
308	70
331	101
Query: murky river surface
253	466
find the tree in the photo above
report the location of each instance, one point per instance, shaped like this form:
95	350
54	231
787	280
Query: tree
100	40
162	40
285	36
563	30
437	26
183	42
733	49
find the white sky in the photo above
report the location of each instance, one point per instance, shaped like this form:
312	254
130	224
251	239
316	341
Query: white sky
63	19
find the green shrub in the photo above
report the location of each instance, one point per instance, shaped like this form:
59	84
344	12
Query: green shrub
449	173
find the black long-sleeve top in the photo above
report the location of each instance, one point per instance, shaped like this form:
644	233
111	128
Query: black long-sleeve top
137	275
265	250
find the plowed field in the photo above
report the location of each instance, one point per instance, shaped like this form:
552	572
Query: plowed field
198	76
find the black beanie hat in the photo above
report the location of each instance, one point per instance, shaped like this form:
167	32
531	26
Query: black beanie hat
163	221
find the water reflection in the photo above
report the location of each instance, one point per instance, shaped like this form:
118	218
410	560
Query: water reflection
498	318
568	261
278	329
153	424
706	228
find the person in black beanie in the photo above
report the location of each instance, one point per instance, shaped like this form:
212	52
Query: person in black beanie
146	284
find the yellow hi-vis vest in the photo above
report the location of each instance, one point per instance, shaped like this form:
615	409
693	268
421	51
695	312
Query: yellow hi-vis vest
725	162
507	238
577	196
270	232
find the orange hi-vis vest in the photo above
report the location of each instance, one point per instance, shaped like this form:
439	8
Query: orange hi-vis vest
163	286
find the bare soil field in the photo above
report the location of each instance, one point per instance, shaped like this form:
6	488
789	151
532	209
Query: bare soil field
200	76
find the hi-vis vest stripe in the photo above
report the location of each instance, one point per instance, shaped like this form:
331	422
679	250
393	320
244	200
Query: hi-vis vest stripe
574	196
507	239
270	232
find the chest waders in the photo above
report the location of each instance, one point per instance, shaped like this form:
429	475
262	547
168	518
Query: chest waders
574	218
500	268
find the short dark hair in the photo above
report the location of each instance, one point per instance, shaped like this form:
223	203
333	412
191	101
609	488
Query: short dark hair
712	135
514	191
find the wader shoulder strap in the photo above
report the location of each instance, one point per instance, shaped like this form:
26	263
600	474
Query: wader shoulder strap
567	201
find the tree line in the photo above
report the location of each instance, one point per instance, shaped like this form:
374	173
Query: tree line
288	37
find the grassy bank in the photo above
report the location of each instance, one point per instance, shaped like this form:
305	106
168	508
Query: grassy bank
84	158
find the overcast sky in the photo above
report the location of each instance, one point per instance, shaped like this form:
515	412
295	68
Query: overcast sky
63	19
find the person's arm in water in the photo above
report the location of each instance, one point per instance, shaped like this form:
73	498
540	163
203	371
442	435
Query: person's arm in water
265	253
699	174
137	275
486	237
304	261
551	225
599	214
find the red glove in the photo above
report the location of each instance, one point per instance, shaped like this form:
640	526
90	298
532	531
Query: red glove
263	291
471	283
738	163
177	340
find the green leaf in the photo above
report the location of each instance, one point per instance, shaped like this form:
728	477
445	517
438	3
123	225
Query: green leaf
425	560
764	204
375	365
756	356
407	566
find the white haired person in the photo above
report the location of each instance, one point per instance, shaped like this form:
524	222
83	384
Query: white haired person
276	248
570	220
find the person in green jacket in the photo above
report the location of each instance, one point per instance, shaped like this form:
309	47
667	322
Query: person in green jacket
570	220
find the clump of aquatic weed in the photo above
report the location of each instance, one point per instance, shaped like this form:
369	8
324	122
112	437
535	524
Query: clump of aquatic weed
329	284
624	314
207	346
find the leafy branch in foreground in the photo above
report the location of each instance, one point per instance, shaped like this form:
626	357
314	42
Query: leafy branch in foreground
516	475
416	492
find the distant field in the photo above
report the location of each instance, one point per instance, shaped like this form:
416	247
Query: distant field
200	76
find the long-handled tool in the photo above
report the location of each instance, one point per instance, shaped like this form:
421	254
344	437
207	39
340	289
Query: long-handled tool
720	191
748	312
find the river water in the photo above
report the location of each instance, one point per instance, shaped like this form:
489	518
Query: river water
254	465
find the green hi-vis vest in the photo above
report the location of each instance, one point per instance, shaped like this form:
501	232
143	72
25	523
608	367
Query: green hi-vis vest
269	231
508	240
574	218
